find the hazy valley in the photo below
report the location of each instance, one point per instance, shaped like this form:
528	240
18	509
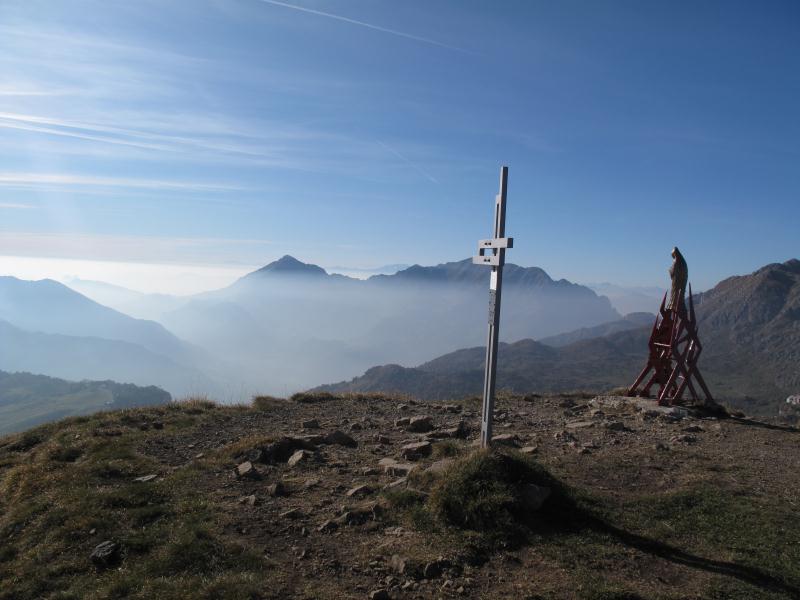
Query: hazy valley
292	326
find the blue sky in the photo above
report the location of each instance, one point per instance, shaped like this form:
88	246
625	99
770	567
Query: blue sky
222	134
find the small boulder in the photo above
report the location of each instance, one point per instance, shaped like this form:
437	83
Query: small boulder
381	594
506	439
301	456
420	424
416	450
435	568
359	515
398	564
400	469
280	450
276	489
340	438
311	424
616	426
246	470
360	490
460	431
402	422
397	483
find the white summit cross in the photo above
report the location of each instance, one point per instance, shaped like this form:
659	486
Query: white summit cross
492	252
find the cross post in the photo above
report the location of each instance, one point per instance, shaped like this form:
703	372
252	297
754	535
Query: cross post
492	252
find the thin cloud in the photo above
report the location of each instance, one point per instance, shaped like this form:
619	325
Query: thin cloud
402	34
49	179
15	206
21	91
22	126
149	140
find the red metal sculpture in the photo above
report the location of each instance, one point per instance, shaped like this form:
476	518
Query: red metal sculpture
674	347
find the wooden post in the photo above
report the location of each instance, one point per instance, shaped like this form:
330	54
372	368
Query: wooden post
496	259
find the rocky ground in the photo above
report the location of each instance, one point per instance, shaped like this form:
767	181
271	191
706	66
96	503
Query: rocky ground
325	497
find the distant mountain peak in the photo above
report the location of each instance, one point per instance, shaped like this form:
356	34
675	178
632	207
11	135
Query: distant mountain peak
289	265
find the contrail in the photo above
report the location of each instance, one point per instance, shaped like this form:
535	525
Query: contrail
367	25
413	165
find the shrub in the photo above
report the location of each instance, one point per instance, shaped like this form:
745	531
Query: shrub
312	397
267	403
194	405
447	449
485	491
66	454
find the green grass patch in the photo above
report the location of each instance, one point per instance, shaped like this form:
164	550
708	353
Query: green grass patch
63	493
448	449
486	492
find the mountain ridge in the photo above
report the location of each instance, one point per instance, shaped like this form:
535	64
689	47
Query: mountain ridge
292	329
83	357
28	399
749	326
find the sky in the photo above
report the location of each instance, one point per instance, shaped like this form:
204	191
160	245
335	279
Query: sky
173	146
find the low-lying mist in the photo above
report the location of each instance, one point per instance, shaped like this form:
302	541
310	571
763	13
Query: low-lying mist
291	326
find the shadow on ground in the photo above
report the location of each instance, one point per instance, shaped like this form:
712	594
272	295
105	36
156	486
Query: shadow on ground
571	518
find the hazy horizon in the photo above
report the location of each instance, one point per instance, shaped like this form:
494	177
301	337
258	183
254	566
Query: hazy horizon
189	279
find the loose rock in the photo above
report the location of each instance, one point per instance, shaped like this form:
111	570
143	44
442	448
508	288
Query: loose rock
299	457
396	469
340	438
276	489
360	490
397	564
416	450
105	554
246	470
420	424
506	439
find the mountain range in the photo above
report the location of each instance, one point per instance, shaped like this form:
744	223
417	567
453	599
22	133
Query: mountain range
47	328
291	323
749	326
278	329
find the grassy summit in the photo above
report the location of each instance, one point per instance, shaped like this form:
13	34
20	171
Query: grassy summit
642	505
